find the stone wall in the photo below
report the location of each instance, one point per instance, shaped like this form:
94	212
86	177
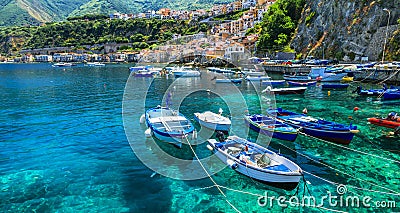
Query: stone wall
375	47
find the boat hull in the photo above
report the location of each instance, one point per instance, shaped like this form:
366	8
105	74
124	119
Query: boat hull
391	95
335	86
302	84
288	134
286	91
385	123
274	82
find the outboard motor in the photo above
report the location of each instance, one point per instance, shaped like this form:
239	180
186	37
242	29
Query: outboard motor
221	136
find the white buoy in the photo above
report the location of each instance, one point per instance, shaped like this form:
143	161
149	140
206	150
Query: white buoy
142	119
147	133
209	147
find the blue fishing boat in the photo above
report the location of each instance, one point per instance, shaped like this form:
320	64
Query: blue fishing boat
319	128
373	92
168	125
334	86
302	84
271	127
229	80
274	82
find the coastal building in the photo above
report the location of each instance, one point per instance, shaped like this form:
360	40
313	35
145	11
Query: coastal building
43	58
28	58
248	3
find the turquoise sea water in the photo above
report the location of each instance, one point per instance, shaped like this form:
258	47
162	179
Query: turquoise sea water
66	137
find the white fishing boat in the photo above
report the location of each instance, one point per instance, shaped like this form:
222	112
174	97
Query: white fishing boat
95	64
185	72
62	64
228	80
285	90
256	162
213	121
258	78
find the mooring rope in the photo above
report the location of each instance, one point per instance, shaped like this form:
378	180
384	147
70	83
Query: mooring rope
389	77
209	176
366	77
351	186
338	170
274	198
354	150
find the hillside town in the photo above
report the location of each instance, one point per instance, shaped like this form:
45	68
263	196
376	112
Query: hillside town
233	31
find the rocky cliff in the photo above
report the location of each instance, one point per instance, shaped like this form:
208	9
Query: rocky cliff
353	28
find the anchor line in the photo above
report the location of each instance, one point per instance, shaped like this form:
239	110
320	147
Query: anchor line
209	176
338	170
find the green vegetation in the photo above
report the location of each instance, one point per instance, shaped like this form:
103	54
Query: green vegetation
279	25
230	16
141	33
34	12
393	51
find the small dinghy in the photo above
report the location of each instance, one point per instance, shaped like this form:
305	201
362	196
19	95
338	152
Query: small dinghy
391	121
168	125
319	128
271	127
256	162
213	121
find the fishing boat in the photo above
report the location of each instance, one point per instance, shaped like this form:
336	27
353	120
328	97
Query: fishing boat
95	64
258	78
391	94
256	162
213	121
143	73
229	80
391	121
303	78
185	72
302	84
62	64
168	125
327	74
374	92
271	127
334	86
316	127
285	91
274	82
